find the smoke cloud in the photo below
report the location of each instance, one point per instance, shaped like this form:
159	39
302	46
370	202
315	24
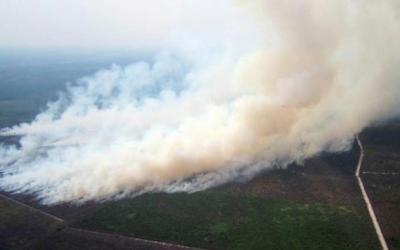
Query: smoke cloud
324	71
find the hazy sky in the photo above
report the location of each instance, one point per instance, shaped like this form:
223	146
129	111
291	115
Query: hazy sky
120	23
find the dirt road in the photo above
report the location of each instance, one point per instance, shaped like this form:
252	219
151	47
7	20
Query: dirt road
366	198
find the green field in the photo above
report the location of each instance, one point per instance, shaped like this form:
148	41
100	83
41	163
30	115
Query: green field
217	220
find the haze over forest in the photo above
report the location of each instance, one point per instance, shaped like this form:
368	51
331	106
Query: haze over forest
203	92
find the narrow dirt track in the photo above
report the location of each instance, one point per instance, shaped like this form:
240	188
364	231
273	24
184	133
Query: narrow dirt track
32	208
366	198
379	173
54	237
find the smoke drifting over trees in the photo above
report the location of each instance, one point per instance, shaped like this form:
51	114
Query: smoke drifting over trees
315	75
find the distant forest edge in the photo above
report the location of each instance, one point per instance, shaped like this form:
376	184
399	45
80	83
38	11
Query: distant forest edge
29	79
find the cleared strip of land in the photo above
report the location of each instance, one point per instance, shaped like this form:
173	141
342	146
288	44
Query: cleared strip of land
366	198
26	227
380	173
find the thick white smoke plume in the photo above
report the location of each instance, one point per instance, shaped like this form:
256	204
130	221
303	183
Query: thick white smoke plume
326	70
